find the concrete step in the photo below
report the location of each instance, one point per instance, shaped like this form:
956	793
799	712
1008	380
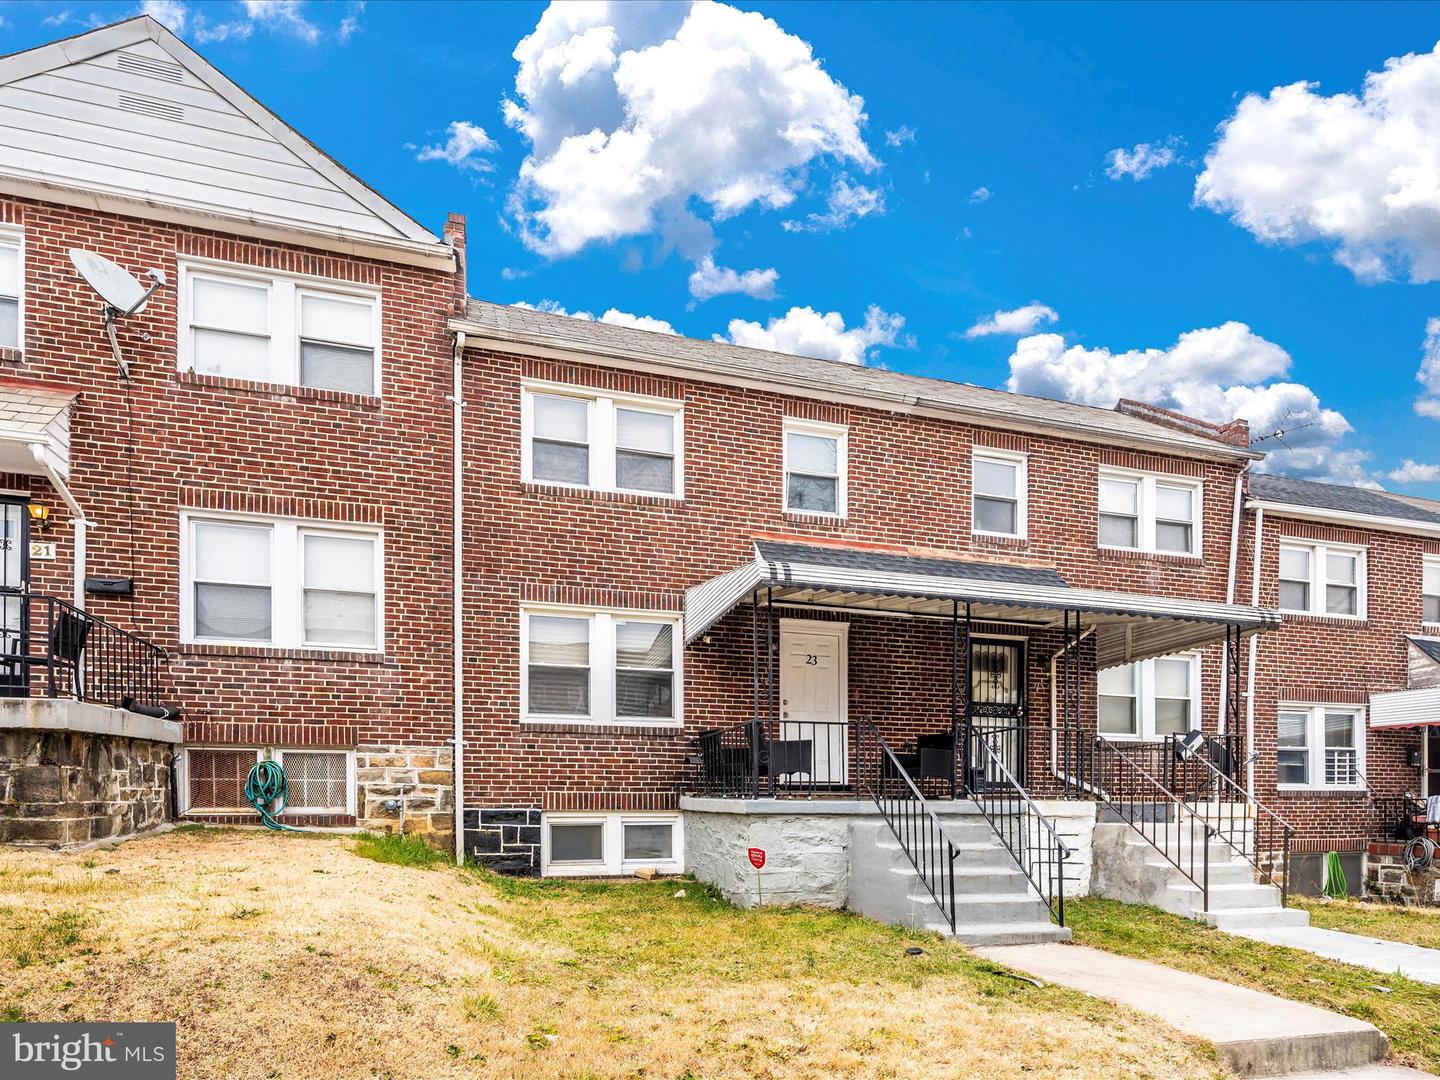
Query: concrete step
967	854
1000	908
981	935
1229	897
1260	918
1226	873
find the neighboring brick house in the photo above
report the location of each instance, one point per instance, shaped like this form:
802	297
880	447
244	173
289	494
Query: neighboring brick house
1343	712
273	477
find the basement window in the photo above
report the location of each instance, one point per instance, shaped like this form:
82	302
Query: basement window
590	844
317	781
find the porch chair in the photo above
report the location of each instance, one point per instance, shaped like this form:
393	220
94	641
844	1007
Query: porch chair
67	648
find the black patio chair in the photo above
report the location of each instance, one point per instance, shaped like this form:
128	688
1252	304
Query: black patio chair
67	648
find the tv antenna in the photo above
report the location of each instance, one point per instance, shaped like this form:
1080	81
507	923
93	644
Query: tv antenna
123	294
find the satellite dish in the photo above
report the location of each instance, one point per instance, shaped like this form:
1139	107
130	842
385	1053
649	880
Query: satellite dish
122	293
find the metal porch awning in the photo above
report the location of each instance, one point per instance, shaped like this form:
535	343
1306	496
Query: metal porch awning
1127	626
35	429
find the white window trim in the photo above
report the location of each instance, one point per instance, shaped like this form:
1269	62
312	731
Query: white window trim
285	291
14	234
1145	511
1315	744
1429	562
1022	490
182	778
1145	700
287	580
841	434
601	435
602	666
1318	550
612	843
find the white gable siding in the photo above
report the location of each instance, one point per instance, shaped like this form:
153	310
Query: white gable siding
104	124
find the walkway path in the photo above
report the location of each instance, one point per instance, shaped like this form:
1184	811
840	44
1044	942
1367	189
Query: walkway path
1256	1034
1378	954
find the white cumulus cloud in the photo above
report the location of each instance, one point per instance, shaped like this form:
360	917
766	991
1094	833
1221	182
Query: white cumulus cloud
1413	472
215	22
806	332
1428	403
1358	172
464	147
1143	158
980	194
1217	373
641	117
847	204
1021	320
612	316
709	281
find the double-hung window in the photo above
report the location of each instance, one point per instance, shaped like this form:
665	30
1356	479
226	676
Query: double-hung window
281	582
1322	579
246	324
998	483
607	443
1319	746
11	289
1151	698
600	667
1142	512
1430	589
815	467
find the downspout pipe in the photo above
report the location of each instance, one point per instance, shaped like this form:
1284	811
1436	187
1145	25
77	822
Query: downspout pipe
457	548
42	458
1222	721
1254	649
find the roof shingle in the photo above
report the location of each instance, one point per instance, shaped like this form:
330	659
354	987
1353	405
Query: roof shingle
1353	500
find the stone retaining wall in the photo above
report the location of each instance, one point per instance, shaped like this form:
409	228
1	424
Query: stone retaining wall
1387	879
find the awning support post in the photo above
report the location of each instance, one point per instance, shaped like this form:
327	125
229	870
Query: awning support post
770	671
954	695
968	733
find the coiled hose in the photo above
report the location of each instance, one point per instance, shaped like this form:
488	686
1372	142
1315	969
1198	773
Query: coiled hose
264	789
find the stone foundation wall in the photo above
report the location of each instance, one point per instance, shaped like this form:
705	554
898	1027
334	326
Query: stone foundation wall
59	788
506	839
1387	879
417	783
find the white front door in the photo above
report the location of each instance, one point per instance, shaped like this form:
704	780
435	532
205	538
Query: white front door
812	695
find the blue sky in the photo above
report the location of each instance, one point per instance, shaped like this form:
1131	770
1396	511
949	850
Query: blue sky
931	164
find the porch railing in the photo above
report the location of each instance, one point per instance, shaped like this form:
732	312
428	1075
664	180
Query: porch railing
916	826
51	648
1397	818
775	759
1250	829
1022	827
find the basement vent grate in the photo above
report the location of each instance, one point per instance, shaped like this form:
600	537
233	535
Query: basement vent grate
150	68
162	110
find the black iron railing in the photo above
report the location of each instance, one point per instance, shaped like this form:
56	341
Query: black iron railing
774	759
1249	828
1021	826
920	832
51	648
1397	818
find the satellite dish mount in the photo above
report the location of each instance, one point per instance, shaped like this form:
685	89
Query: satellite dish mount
122	293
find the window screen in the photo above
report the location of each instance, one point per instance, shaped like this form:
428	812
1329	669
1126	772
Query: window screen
315	780
217	778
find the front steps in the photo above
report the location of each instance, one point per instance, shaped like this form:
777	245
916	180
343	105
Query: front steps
994	903
1127	867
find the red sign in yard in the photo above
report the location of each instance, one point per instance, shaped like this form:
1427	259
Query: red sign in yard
757	857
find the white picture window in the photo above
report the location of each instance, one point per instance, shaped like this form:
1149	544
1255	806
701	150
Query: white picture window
607	443
1430	589
1322	579
587	844
280	582
243	324
815	467
1150	699
600	667
316	781
1320	746
1141	512
12	290
999	493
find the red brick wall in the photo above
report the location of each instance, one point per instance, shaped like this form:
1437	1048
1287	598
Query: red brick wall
909	480
192	441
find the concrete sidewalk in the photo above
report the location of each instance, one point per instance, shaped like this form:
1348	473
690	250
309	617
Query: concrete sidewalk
1256	1034
1420	964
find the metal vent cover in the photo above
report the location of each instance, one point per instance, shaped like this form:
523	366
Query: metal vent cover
147	106
150	67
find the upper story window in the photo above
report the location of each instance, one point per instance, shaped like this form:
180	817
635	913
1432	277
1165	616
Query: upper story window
1142	512
815	466
999	493
1150	699
1322	579
243	324
280	582
1319	746
1431	590
600	667
11	289
603	442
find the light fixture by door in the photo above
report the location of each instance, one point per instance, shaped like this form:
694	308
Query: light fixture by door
39	517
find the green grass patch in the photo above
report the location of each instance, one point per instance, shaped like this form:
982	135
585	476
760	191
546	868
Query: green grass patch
400	850
1408	1012
1412	925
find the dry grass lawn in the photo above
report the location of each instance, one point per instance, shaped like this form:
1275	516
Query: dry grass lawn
287	956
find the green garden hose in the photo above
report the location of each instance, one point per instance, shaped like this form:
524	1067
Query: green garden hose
1335	886
264	788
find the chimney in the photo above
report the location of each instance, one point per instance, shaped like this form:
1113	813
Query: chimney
1236	432
454	233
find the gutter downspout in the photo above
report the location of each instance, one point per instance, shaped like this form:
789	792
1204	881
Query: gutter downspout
38	451
457	542
1230	595
1254	647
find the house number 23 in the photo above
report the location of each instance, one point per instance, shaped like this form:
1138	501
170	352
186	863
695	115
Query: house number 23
811	659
